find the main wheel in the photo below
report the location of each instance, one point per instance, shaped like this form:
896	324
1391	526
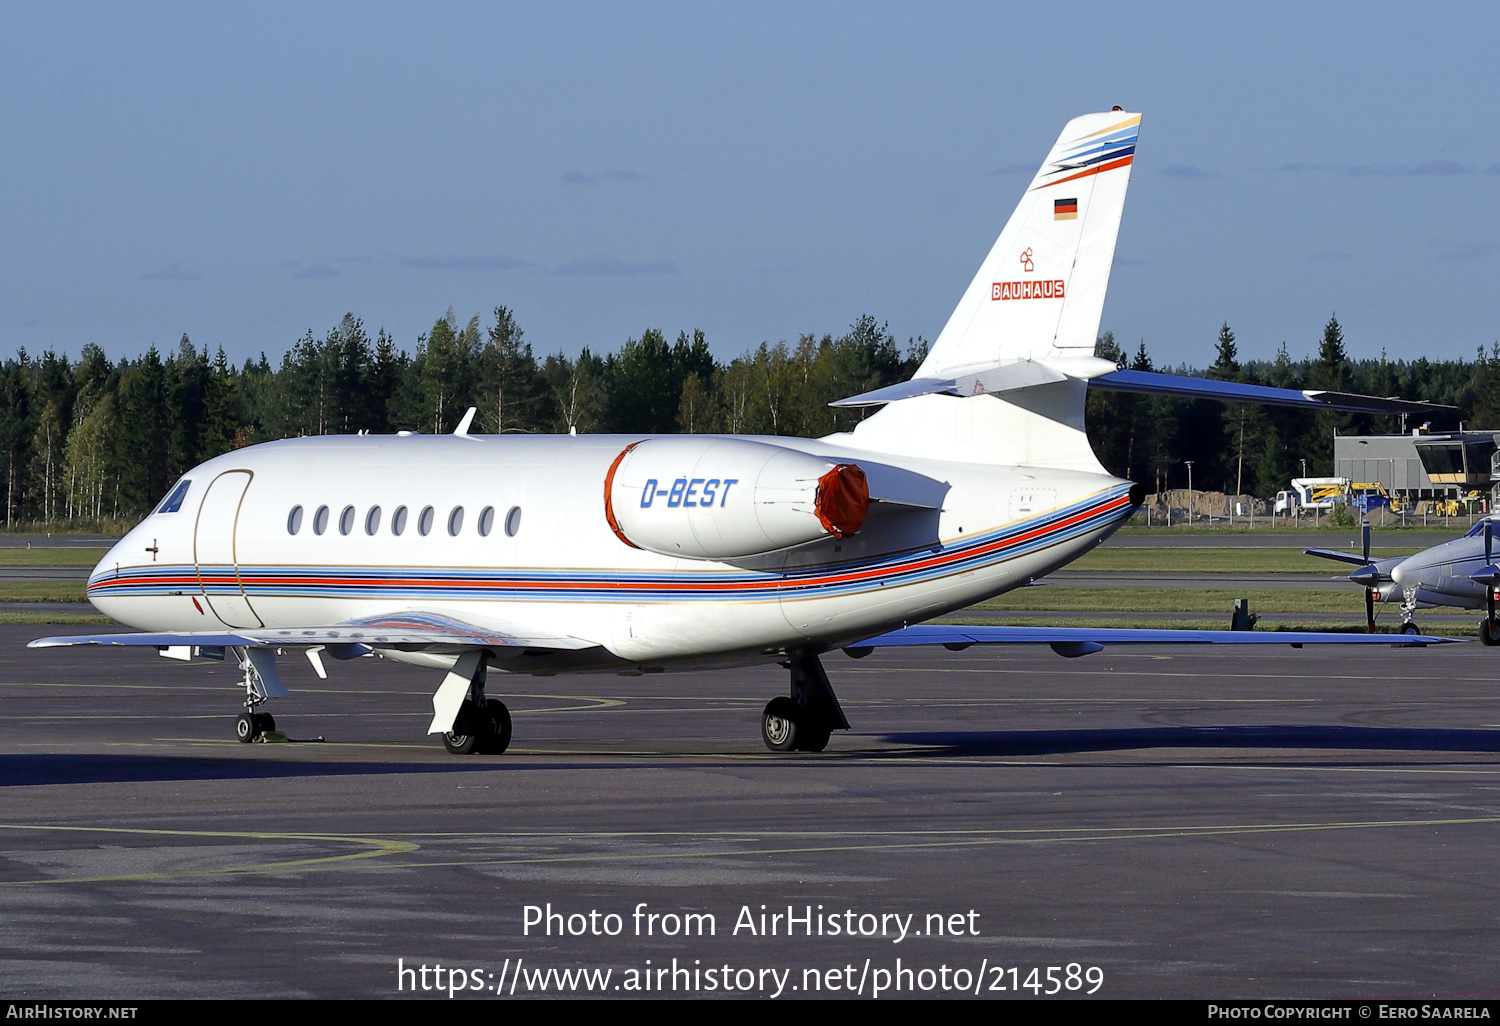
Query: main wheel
1410	627
245	727
467	732
778	725
1489	631
498	738
813	739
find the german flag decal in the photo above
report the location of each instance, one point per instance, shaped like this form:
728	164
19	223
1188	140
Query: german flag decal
1065	209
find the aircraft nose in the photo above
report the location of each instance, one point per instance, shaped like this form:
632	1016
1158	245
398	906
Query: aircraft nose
1401	572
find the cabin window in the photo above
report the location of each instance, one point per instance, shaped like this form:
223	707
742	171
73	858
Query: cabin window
513	521
320	520
173	502
398	520
294	520
486	521
424	522
346	520
372	520
456	521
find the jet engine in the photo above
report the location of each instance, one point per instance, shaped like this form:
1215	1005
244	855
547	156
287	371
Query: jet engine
722	498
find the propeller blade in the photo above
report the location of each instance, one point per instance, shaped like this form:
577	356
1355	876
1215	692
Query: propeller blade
1489	540
1370	610
1366	535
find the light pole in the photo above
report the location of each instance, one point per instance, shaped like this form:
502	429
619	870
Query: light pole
1190	491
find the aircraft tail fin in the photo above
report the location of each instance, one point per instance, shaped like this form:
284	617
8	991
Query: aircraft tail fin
1027	322
1040	292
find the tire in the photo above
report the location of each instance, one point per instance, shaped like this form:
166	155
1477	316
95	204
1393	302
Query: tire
265	722
1410	628
467	732
245	728
1489	631
498	739
778	725
813	739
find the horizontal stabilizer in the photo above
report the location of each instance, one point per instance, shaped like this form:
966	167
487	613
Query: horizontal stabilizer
903	390
1009	376
1078	640
1153	383
1353	558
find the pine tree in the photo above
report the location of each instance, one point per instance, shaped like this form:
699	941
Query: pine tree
508	373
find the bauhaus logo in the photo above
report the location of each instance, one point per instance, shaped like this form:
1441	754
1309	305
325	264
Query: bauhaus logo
1027	290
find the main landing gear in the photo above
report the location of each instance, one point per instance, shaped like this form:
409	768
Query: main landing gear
803	721
482	726
260	684
249	726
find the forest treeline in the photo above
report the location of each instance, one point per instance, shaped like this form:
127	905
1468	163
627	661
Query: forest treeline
95	440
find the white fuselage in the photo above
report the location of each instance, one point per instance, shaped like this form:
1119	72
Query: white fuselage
549	561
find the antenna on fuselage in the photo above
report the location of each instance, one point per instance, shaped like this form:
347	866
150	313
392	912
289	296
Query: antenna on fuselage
462	431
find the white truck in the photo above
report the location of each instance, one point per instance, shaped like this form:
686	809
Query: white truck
1311	493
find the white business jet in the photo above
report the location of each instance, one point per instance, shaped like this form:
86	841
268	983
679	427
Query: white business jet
629	554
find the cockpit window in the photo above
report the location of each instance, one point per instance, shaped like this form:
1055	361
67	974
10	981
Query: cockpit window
172	503
1478	527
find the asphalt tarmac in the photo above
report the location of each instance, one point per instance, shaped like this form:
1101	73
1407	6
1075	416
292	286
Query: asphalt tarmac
1171	822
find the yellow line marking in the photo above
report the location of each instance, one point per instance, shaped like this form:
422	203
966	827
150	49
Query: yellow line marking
378	847
1072	835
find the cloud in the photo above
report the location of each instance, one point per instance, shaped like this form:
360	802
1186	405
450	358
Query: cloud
1370	170
1441	167
172	272
609	174
1012	169
1428	168
317	271
1188	171
466	263
1329	258
603	265
1465	251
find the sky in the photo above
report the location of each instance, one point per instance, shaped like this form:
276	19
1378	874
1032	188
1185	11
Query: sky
247	173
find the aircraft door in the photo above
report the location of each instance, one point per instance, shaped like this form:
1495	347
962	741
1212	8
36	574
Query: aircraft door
214	550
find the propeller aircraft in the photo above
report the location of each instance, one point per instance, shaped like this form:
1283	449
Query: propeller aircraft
1459	573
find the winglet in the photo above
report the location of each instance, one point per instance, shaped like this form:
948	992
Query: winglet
462	431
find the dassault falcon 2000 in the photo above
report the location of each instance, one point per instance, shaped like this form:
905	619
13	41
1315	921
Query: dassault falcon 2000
629	554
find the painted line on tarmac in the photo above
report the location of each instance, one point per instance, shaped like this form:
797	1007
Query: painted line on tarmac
377	848
1080	836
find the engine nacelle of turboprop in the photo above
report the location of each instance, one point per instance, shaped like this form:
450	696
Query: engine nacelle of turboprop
722	498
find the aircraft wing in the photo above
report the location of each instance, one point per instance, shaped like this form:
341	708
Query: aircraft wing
1077	641
411	630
